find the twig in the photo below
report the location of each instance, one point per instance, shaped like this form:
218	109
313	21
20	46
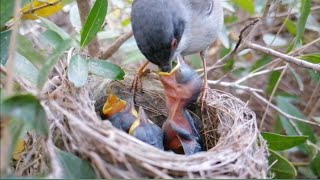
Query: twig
272	94
47	4
115	45
84	9
251	75
287	58
281	112
234	85
12	49
231	53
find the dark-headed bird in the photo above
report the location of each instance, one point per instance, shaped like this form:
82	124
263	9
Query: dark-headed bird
164	29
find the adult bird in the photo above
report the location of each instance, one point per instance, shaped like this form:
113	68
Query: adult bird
121	113
182	87
164	29
146	131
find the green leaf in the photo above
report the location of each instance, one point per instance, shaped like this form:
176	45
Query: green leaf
126	22
6	12
106	69
279	142
51	61
247	5
304	13
297	77
282	168
26	69
315	165
51	38
4	45
263	61
285	105
94	21
313	58
28	109
273	79
74	167
50	25
291	27
314	75
78	70
26	49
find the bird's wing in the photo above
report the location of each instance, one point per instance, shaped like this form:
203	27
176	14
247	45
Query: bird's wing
202	6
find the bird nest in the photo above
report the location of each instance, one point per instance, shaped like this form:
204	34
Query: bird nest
234	145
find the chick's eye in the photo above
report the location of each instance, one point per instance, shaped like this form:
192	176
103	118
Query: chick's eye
174	43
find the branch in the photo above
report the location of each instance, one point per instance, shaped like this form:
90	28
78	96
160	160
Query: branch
84	9
234	85
287	58
281	112
115	45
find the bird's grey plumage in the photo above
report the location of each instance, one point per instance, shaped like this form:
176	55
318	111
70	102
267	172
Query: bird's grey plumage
194	23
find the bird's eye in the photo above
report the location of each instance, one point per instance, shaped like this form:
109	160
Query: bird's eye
174	43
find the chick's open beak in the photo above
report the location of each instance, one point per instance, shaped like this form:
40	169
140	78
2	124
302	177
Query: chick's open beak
113	105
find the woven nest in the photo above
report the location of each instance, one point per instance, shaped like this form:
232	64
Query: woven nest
235	148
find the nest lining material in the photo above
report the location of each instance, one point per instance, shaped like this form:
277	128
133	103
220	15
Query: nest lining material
235	147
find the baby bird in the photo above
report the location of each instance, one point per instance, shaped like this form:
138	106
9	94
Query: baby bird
182	87
146	131
121	114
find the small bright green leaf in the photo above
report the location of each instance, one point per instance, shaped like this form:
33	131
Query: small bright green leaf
51	38
315	165
26	69
51	61
78	70
291	27
50	25
279	142
28	109
94	21
126	22
273	79
74	167
4	45
297	77
247	5
106	69
6	11
313	58
26	49
282	168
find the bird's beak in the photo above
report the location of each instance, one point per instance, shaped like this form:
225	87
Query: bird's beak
141	118
113	105
173	71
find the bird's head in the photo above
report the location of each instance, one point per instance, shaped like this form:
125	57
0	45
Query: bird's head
157	27
141	119
115	105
